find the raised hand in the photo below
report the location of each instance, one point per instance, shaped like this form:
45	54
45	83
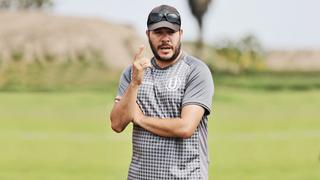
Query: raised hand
140	63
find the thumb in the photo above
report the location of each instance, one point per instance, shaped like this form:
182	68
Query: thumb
148	64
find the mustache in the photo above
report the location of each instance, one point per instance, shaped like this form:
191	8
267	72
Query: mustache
165	46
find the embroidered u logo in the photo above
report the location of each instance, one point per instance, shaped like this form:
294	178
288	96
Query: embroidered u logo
173	83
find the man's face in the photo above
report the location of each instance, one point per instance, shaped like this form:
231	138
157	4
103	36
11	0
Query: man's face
165	43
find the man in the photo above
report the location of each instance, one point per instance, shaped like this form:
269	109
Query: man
168	99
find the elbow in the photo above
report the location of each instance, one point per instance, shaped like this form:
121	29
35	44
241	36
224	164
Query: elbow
116	128
185	133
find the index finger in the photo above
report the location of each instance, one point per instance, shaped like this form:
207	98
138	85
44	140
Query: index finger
139	53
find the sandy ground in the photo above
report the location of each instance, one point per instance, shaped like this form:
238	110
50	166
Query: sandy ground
301	60
36	34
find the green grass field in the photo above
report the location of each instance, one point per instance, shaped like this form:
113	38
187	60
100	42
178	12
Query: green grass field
253	135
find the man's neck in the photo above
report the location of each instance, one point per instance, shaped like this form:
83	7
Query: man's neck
164	64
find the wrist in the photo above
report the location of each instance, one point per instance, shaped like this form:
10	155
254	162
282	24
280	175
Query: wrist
137	120
134	84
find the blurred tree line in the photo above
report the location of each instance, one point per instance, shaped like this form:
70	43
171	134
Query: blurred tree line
247	54
242	55
233	56
25	4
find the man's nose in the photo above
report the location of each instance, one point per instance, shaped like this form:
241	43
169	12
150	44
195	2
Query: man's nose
165	37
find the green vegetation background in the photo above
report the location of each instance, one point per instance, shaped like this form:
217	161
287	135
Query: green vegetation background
54	121
253	134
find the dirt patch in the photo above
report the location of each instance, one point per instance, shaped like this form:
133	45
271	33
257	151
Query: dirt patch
297	60
36	34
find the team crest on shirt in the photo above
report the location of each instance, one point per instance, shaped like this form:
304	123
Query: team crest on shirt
173	83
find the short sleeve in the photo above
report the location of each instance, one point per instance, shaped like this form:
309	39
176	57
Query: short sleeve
199	87
124	82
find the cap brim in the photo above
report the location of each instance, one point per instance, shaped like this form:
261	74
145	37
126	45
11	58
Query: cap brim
162	24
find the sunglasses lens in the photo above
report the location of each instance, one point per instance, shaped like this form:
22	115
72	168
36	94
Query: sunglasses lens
173	18
170	17
155	17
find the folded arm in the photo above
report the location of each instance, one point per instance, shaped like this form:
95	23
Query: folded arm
182	127
124	108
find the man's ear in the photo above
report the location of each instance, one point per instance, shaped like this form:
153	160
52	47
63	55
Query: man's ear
147	33
181	31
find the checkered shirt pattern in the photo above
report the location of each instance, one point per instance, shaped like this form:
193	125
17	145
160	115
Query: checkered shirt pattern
162	95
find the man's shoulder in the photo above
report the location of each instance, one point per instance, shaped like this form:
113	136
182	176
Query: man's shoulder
194	63
126	74
127	70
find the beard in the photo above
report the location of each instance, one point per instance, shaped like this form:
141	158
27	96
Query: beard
167	59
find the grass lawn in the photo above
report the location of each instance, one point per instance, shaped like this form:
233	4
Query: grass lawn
258	135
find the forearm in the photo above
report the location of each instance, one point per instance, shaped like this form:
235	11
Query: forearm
123	111
181	127
169	127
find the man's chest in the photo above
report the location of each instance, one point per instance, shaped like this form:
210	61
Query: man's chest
162	92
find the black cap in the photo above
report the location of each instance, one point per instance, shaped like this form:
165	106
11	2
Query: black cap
164	9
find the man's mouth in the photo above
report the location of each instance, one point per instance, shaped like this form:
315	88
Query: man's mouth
165	49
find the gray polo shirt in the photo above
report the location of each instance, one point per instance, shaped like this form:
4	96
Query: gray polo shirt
162	94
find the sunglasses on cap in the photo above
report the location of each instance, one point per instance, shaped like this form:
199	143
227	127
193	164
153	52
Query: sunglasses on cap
170	17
